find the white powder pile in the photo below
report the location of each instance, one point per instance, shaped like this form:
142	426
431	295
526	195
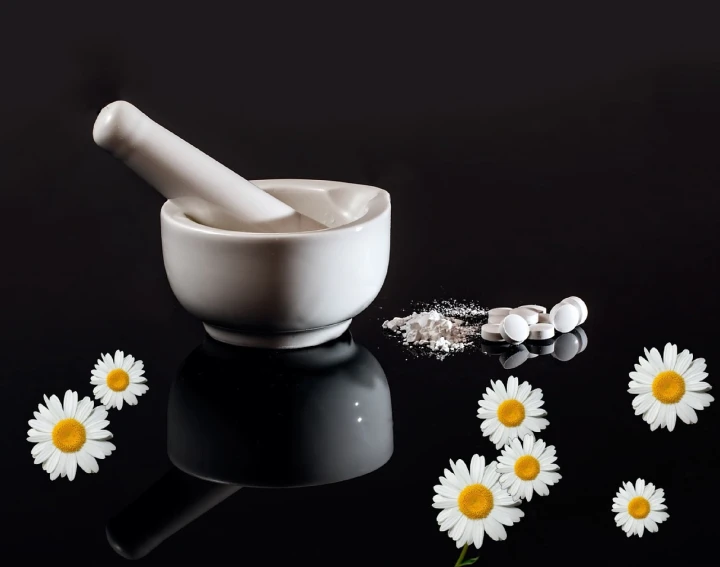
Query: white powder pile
444	327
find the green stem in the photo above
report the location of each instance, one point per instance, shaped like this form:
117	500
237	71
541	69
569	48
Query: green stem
462	555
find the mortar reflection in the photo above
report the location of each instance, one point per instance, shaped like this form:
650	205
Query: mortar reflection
259	418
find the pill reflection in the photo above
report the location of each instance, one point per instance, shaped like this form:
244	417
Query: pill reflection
564	347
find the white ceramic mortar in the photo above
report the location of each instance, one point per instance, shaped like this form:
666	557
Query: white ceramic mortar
282	290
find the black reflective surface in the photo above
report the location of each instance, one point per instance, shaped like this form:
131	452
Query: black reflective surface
280	419
528	159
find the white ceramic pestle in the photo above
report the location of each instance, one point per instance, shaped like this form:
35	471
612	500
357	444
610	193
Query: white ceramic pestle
177	169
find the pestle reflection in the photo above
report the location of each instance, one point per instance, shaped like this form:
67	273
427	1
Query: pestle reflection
260	418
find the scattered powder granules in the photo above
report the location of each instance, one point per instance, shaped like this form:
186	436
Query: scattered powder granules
439	328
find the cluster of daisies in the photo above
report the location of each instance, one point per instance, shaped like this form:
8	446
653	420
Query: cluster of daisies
73	433
484	498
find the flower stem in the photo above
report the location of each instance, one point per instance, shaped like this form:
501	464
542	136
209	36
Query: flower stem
462	556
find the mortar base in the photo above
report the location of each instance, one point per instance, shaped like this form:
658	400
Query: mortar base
299	339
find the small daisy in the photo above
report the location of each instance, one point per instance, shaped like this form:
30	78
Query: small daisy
69	435
473	503
527	467
639	507
669	387
512	412
119	379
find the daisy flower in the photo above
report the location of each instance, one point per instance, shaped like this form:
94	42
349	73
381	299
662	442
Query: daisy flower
512	412
118	379
669	387
527	467
69	435
639	508
473	503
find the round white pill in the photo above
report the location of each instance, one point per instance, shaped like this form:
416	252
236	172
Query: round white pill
498	314
491	332
566	347
564	317
544	318
530	316
580	305
582	337
514	358
541	331
514	329
537	308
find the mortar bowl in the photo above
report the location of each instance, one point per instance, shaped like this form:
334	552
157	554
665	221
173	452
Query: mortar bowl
282	290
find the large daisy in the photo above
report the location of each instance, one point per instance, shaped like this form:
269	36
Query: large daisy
639	507
511	412
669	386
473	503
118	380
527	467
69	435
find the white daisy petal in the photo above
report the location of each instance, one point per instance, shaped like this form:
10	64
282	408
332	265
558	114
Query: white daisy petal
55	407
671	415
512	387
656	359
686	413
478	534
683	363
670	356
71	466
87	462
109	395
477	468
84	409
62	463
70	403
697	400
44	452
129	398
40	426
500	389
494	529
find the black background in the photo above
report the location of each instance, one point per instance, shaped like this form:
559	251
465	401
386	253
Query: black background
531	155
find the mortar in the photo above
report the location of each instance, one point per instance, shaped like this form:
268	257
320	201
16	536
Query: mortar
282	290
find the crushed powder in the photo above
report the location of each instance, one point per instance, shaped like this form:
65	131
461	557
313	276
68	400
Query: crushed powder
444	327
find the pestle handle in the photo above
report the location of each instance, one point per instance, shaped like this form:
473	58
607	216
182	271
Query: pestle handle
176	168
166	507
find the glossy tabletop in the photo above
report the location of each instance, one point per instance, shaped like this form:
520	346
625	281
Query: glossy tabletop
520	172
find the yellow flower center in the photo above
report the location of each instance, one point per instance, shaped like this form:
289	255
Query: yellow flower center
117	380
639	508
511	413
527	467
668	387
68	435
475	501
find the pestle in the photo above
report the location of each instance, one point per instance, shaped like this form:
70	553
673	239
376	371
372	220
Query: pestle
176	169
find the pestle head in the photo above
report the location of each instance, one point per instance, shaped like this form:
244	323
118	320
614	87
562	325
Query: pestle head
116	126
